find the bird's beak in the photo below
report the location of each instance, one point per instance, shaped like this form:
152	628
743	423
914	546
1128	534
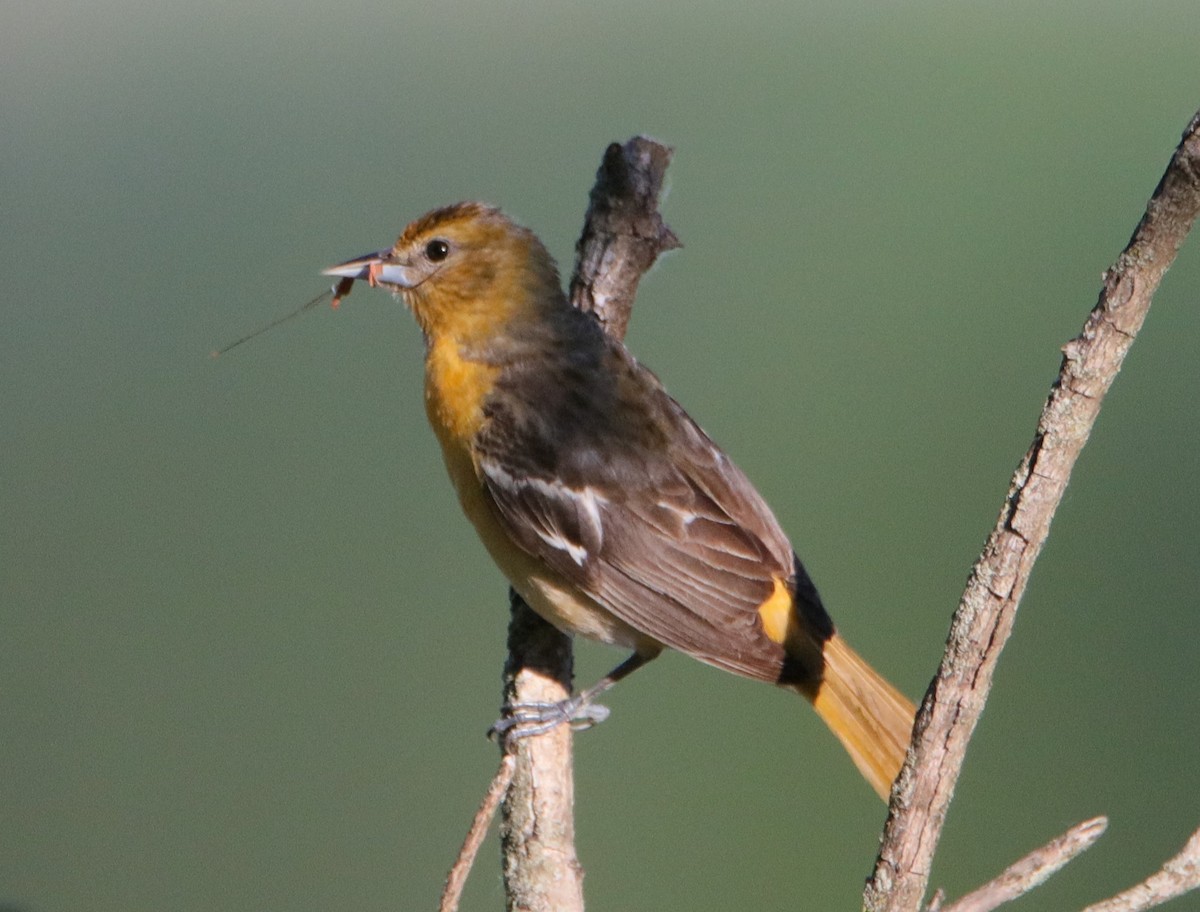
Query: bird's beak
374	268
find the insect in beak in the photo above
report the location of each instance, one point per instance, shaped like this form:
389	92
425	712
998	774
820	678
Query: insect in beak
340	289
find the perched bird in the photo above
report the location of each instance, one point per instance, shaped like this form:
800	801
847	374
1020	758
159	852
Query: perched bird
609	510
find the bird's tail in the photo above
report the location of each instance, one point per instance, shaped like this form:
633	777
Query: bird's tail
870	717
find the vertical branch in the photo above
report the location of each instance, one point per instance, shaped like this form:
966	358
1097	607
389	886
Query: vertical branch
623	235
537	823
623	232
988	607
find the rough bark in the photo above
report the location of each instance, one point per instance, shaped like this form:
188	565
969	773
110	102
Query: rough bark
985	615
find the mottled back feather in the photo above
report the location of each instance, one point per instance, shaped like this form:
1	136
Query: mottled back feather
594	469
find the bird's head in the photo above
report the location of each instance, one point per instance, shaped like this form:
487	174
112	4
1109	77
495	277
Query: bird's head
466	271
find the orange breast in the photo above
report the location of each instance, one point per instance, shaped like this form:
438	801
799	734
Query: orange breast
455	391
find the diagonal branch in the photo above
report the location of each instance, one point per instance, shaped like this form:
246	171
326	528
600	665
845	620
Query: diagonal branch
1178	876
988	607
457	878
1031	871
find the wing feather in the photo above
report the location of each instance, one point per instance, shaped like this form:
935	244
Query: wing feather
635	505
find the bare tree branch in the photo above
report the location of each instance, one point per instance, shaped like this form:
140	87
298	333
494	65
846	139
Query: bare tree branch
537	828
985	615
622	236
623	233
1032	870
1178	876
457	878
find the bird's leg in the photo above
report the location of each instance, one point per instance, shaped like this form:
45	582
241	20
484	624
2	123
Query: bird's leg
523	720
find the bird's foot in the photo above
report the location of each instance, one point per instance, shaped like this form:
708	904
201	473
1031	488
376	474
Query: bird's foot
524	720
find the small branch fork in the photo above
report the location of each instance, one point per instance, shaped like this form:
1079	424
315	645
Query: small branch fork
985	615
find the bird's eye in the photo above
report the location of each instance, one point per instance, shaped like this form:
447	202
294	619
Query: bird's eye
437	250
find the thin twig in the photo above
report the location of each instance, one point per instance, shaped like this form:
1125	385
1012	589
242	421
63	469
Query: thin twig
457	878
1032	870
985	615
1178	876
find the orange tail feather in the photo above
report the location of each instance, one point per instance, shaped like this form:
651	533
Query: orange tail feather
870	717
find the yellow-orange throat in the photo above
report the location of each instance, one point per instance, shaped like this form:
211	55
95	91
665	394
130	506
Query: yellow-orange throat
455	390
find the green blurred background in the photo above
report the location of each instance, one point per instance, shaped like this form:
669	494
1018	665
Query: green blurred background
248	648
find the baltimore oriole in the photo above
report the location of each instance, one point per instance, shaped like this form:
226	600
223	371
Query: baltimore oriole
609	510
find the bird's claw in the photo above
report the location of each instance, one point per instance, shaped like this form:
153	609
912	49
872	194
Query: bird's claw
524	720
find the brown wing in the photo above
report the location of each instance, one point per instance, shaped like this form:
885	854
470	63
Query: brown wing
618	490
